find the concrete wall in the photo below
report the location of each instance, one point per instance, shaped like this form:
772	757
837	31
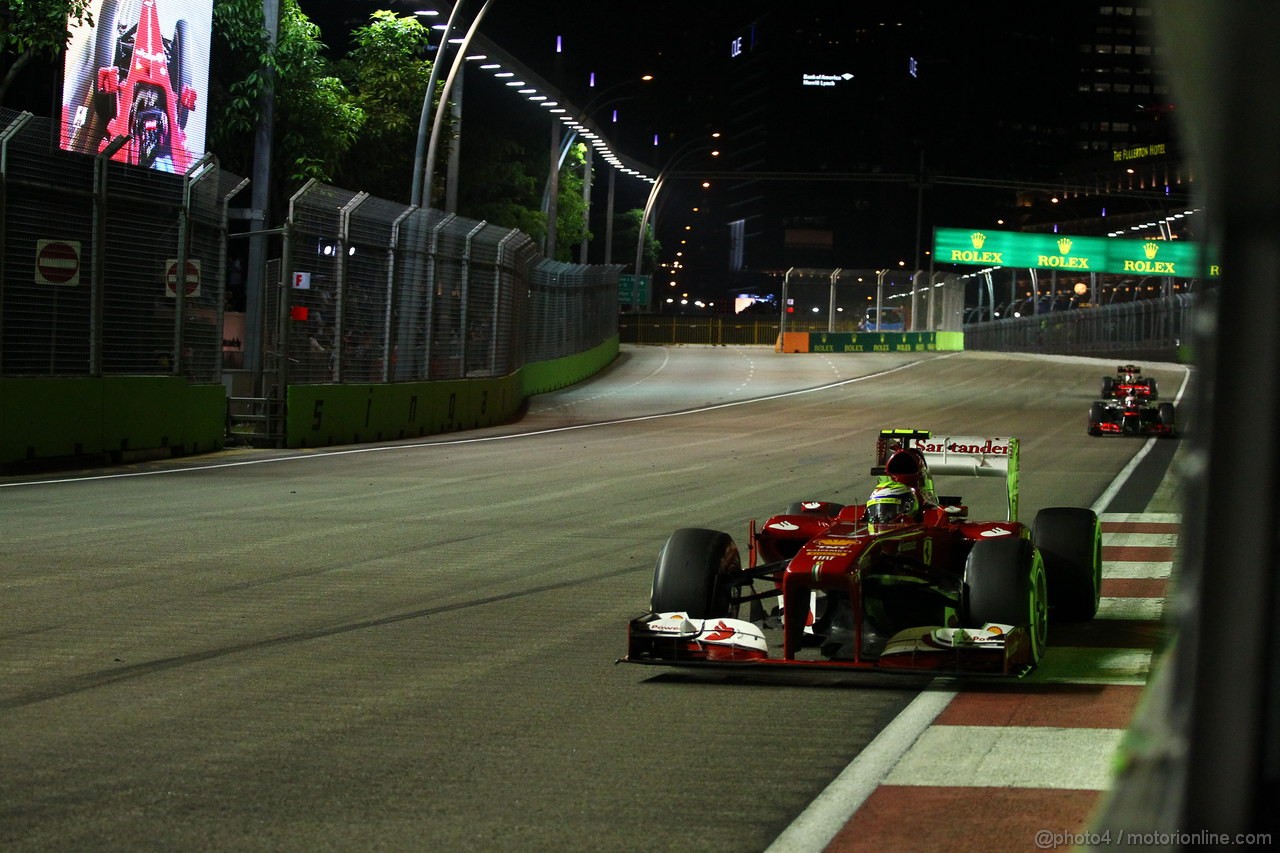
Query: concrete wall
118	416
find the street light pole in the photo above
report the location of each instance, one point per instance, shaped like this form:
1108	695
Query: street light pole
429	172
658	182
255	275
433	145
419	155
559	150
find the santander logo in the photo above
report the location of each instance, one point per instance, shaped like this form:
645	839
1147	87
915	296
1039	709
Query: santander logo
989	448
719	633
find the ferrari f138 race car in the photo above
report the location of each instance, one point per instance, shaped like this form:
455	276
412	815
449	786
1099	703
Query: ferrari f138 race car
905	582
140	91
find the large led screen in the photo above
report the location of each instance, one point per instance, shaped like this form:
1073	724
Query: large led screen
142	72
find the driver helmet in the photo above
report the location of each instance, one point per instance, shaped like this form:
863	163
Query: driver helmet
890	503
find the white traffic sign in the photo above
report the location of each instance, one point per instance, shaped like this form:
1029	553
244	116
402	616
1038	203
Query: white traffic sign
58	262
192	283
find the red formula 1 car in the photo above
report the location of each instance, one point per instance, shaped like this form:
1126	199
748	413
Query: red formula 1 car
906	582
1132	415
1129	382
141	91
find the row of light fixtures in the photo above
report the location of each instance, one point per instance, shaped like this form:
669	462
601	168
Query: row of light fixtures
531	93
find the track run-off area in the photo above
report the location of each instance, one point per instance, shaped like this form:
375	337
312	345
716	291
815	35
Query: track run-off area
412	645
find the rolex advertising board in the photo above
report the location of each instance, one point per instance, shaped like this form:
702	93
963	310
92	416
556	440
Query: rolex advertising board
990	248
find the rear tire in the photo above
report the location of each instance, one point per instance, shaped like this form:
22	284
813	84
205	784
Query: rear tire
1004	582
1069	540
1108	386
1166	414
693	573
179	69
1153	387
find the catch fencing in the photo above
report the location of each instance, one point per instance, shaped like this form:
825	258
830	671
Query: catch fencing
364	290
842	300
1153	329
107	269
379	291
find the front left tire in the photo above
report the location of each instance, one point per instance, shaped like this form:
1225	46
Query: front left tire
1004	582
694	574
1069	540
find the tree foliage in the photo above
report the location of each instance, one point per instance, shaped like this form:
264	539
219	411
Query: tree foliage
36	29
387	74
351	121
316	122
497	185
571	210
626	231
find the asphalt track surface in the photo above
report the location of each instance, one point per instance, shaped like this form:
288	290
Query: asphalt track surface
411	646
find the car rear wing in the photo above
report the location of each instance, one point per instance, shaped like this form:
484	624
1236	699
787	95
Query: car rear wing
960	455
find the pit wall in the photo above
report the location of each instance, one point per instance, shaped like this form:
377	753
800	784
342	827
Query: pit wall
895	342
131	417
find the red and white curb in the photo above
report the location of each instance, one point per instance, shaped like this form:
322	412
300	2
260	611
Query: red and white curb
1009	766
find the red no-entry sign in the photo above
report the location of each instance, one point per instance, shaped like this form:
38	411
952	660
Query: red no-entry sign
192	282
58	262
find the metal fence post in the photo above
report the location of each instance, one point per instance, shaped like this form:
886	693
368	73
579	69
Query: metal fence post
96	289
6	135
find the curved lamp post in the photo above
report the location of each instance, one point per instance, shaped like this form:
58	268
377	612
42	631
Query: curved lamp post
676	159
567	142
429	170
420	150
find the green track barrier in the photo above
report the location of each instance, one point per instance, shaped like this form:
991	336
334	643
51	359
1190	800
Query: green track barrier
895	342
326	415
80	417
73	417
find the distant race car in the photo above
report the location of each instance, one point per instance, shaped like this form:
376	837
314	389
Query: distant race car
1133	414
906	582
1129	382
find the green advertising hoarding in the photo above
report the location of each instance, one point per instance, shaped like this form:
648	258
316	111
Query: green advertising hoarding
874	342
989	248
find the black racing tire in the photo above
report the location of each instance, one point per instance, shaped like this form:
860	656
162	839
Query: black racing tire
693	573
1004	581
179	69
1108	386
1166	414
1096	414
1069	540
827	511
105	34
1153	387
105	45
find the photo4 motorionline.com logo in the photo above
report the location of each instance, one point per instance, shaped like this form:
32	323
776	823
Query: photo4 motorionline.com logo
1049	840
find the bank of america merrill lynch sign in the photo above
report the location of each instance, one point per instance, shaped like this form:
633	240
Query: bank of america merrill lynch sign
1072	254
